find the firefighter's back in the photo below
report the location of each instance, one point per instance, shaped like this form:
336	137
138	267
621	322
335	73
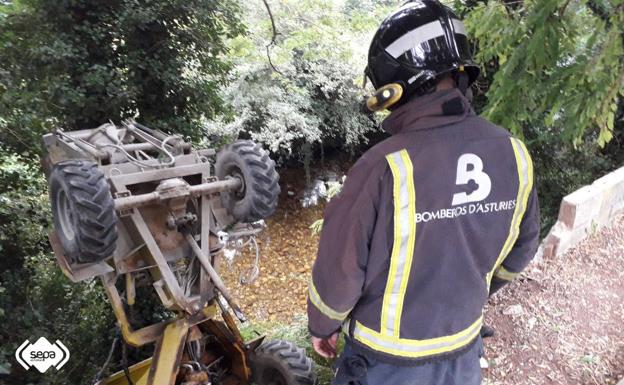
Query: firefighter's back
453	196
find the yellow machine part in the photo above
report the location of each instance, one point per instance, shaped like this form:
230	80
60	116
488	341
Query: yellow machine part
168	354
161	369
138	374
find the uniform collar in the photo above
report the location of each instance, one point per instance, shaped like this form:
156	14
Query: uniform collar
428	111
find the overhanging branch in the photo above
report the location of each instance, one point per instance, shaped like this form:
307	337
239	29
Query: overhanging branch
604	13
600	10
273	37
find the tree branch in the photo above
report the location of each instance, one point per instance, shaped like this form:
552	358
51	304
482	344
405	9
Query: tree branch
272	22
273	37
563	8
598	8
268	52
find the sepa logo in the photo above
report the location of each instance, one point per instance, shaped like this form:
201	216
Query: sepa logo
42	354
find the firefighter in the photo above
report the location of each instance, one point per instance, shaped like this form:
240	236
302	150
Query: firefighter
430	221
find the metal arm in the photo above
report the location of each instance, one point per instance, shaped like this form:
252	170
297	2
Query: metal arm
134	201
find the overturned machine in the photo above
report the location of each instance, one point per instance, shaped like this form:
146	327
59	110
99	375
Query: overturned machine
138	207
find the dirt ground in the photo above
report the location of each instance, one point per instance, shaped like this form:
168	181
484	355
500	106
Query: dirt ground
288	251
562	322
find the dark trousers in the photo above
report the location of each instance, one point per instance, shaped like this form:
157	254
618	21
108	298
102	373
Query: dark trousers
462	370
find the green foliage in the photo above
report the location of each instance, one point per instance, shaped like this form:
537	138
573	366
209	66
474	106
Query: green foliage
314	102
79	64
560	65
554	74
304	89
35	298
561	168
24	208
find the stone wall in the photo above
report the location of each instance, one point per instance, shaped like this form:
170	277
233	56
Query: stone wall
583	212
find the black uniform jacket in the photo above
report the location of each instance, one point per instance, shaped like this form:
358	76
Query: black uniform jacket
426	220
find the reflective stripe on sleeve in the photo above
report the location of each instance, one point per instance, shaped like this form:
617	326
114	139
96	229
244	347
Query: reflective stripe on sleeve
525	184
404	196
505	274
316	300
404	347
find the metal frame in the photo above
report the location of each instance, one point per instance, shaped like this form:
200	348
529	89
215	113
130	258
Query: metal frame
152	204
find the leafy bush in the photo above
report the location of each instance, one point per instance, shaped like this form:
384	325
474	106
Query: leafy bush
299	90
314	102
36	299
554	75
81	63
561	168
77	64
559	65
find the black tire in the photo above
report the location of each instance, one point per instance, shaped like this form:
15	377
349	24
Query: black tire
257	199
83	211
281	363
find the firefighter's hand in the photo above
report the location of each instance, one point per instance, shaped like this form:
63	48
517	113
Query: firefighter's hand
325	347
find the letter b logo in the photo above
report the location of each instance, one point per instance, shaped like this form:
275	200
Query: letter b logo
470	168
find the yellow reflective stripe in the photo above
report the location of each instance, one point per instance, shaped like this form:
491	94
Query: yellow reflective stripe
410	348
397	239
530	165
404	196
525	184
505	274
316	300
345	326
411	240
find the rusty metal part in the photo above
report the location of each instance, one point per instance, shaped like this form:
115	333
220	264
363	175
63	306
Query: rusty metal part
175	193
154	202
195	378
187	219
168	240
255	343
139	147
84	145
194	334
148	243
151	333
179	145
160	270
218	283
235	352
235	356
76	273
135	201
229	321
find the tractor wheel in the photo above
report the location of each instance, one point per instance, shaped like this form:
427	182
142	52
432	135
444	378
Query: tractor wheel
257	198
83	211
281	363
